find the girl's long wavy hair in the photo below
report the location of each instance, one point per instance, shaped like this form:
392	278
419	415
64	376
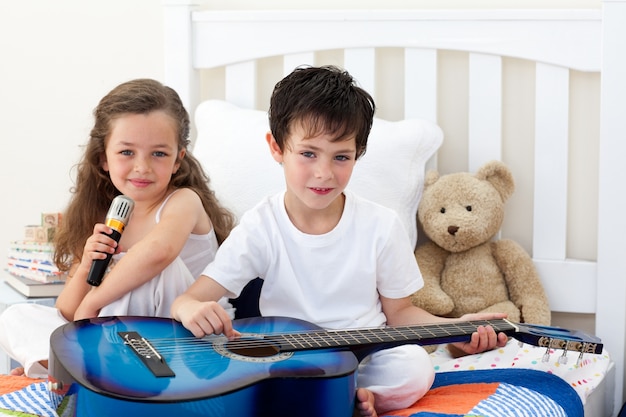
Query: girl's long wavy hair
94	190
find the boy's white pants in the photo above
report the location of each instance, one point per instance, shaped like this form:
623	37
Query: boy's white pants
397	376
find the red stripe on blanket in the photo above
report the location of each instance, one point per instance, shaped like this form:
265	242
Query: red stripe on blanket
10	383
452	399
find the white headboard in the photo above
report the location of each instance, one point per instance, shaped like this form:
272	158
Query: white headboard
544	91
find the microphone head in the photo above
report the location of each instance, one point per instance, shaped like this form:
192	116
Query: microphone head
119	212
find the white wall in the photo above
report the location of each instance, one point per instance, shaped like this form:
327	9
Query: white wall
59	58
393	4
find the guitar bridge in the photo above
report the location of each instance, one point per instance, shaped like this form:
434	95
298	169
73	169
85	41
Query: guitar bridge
147	353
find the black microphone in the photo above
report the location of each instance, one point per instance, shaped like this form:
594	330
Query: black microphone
117	218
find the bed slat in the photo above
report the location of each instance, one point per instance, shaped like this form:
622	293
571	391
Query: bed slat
551	162
420	83
181	75
292	61
485	109
362	64
241	84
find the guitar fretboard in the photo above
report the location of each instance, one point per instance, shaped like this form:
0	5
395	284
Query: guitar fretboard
423	335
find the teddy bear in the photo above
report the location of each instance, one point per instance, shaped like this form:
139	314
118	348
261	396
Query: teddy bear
466	268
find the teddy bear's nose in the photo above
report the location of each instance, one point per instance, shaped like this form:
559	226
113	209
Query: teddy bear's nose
453	229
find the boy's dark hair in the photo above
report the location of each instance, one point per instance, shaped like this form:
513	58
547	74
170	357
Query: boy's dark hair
325	100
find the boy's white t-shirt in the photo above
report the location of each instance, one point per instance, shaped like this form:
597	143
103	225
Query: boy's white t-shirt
332	280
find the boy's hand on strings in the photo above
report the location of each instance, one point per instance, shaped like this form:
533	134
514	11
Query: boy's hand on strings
206	317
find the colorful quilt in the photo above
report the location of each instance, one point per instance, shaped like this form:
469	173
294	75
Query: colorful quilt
510	381
478	393
515	380
497	393
23	387
582	373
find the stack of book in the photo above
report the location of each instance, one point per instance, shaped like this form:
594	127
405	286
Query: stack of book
30	266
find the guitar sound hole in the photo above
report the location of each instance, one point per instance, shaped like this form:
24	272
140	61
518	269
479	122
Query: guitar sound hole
252	348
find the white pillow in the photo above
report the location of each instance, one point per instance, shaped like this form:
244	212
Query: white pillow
232	149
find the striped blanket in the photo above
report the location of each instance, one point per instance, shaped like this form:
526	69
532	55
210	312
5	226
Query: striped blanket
497	393
484	393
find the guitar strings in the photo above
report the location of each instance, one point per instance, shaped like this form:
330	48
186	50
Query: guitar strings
317	339
192	351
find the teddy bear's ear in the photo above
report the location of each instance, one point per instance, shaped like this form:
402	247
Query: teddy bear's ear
431	178
499	176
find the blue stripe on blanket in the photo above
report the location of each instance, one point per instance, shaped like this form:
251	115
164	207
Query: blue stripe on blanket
34	399
526	386
512	401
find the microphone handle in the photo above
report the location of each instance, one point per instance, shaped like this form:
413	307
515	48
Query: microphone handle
99	266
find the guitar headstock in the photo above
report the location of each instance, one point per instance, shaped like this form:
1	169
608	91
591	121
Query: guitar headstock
559	339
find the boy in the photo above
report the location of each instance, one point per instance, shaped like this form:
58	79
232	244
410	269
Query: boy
326	255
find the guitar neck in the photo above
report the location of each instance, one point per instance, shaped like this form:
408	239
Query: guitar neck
429	334
423	335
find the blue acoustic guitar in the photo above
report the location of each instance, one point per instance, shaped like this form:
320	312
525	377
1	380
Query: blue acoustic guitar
136	366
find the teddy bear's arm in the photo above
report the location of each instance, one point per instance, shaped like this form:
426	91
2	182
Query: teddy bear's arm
525	288
431	260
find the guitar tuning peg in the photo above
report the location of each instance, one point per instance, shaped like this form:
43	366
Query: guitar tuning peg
54	386
520	344
546	355
579	361
563	357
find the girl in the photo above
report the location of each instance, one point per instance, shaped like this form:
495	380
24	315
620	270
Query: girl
137	147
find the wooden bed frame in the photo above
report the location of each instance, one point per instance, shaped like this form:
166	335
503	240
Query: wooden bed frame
543	90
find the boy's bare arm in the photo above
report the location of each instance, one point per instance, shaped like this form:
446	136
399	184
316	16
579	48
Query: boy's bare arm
402	312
